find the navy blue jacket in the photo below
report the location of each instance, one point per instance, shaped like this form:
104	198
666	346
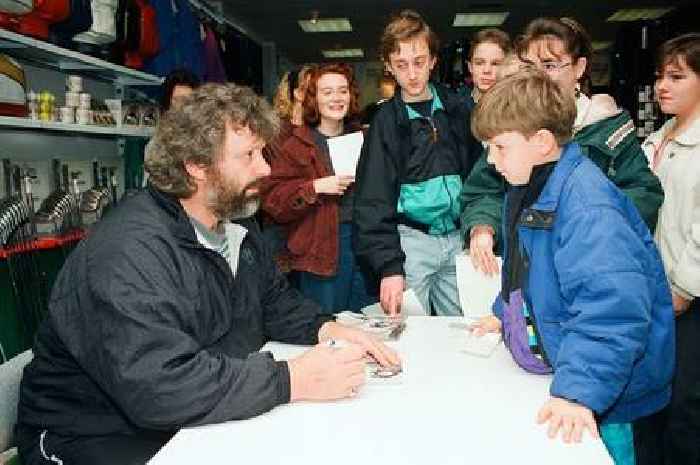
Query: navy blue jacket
149	331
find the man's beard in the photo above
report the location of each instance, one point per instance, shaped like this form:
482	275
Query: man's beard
228	200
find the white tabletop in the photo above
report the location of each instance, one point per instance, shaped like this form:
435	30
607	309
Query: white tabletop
448	407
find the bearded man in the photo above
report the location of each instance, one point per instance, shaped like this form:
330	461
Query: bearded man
156	319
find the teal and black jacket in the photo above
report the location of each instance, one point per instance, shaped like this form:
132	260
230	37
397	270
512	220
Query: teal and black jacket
411	172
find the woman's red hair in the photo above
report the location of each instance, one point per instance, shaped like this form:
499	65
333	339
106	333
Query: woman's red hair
311	113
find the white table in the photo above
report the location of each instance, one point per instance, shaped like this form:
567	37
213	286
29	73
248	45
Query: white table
448	408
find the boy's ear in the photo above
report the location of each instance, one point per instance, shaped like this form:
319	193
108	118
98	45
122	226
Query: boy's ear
433	62
546	141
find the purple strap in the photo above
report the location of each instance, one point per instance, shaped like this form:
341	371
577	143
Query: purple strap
516	338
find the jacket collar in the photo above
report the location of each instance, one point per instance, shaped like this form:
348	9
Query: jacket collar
304	134
690	137
570	158
435	106
171	206
448	102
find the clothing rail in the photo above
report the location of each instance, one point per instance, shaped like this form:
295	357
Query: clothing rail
211	12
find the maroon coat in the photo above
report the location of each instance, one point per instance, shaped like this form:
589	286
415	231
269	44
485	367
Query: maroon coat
290	199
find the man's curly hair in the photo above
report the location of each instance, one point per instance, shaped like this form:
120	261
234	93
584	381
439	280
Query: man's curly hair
194	133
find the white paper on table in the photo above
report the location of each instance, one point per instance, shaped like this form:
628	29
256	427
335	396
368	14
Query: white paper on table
345	152
477	291
410	306
481	346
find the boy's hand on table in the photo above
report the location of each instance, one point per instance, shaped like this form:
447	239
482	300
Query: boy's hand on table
486	324
568	416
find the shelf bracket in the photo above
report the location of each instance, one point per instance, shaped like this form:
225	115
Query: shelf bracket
121	146
119	90
126	81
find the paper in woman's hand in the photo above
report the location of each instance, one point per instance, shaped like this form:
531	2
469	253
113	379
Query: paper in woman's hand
345	153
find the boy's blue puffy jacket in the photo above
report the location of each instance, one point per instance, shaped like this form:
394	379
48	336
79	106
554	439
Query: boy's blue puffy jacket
597	288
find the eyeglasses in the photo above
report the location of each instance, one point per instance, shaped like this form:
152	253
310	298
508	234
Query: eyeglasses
549	66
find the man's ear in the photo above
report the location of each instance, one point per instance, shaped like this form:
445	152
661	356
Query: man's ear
197	171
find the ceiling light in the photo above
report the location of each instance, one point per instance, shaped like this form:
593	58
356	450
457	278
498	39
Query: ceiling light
601	45
637	14
479	19
325	25
344	53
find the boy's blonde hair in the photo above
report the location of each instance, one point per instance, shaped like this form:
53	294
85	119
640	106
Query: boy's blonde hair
525	103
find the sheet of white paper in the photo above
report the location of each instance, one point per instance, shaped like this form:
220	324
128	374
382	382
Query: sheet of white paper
481	346
345	152
410	306
476	290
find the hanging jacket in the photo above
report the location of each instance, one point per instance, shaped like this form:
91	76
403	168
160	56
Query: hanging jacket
45	13
607	136
141	42
410	171
596	287
179	37
214	70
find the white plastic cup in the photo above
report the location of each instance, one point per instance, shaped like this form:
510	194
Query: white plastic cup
83	116
72	99
74	83
67	114
85	100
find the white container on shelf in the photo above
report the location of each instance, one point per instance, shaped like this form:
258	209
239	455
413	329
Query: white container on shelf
84	100
66	114
72	99
74	83
83	116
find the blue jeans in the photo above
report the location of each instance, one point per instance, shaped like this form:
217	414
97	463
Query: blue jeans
346	290
430	269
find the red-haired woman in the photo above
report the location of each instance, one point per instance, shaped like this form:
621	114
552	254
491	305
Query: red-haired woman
304	193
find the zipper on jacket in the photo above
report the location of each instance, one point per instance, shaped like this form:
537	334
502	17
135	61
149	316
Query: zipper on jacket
526	264
434	128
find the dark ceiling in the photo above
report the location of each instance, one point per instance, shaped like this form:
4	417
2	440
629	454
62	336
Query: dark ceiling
276	20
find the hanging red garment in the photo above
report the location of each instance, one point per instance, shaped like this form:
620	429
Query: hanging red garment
142	22
45	13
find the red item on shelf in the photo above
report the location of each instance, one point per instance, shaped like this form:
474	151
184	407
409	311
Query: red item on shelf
148	41
43	243
46	12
